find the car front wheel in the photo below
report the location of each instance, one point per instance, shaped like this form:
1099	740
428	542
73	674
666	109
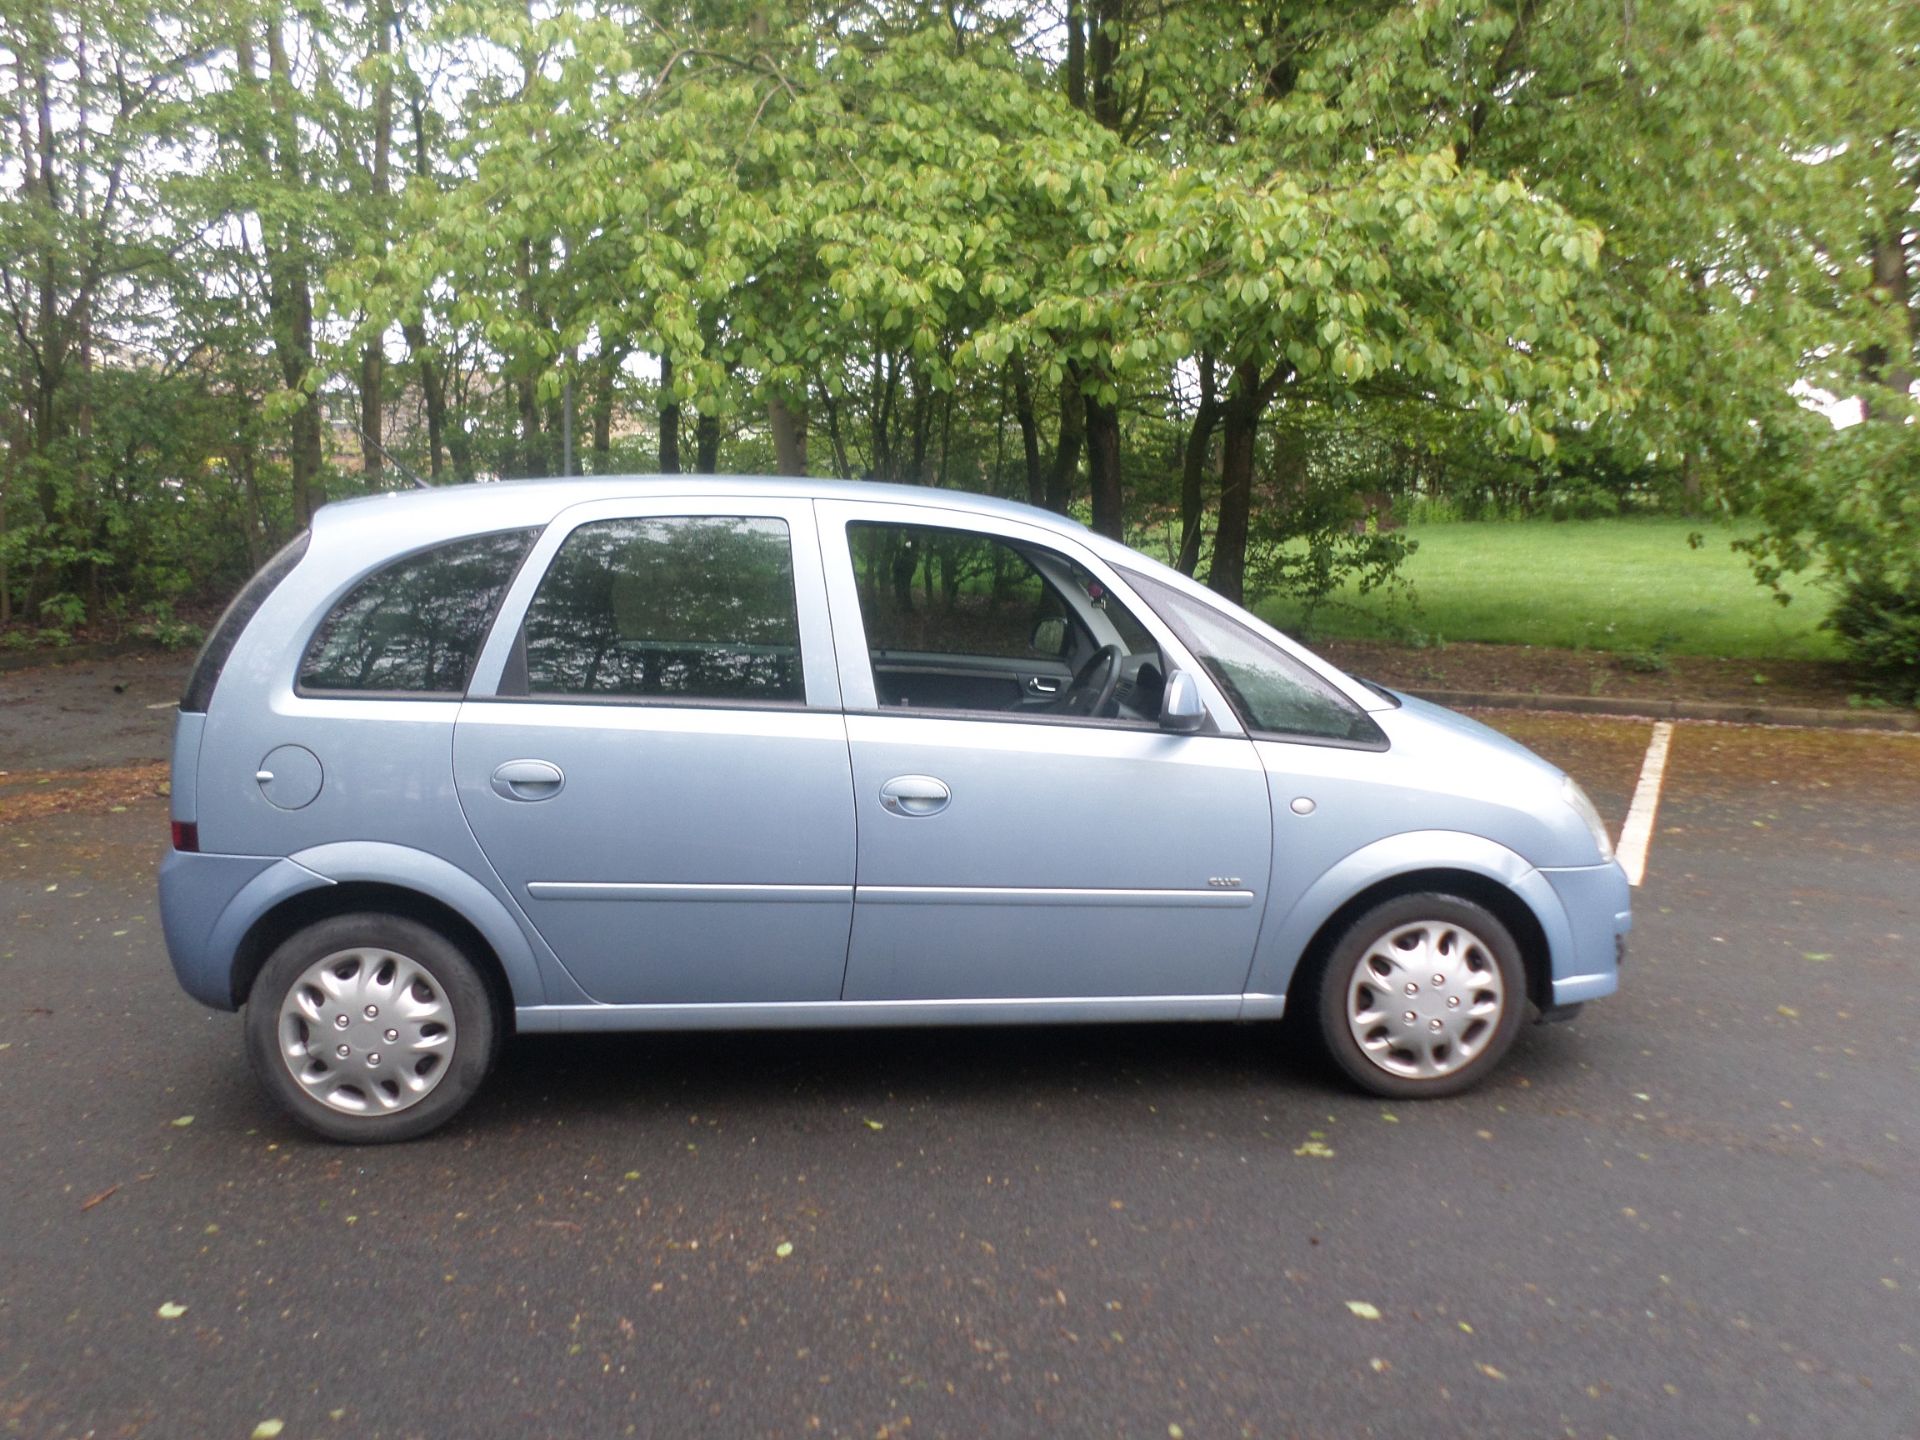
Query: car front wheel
1422	996
370	1028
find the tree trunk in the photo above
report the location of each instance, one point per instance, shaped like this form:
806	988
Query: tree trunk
1103	467
433	392
373	360
1076	57
1066	454
290	287
669	420
789	427
1193	469
706	445
1240	427
1887	367
1103	54
526	394
1029	433
606	376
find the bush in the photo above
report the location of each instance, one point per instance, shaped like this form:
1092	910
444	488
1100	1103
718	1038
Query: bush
1854	513
1879	624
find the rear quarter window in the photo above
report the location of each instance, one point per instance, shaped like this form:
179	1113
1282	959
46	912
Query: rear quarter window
227	630
415	626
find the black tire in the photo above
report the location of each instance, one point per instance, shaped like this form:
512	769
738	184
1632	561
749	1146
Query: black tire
1484	961
447	974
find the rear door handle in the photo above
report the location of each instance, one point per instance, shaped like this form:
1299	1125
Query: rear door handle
528	780
915	795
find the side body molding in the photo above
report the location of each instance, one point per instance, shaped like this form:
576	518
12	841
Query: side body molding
1287	934
534	976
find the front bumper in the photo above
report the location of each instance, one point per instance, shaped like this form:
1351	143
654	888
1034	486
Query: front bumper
1599	907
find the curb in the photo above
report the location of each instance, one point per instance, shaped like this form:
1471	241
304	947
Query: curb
1723	712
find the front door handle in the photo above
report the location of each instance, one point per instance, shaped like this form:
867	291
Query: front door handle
1043	685
528	780
915	795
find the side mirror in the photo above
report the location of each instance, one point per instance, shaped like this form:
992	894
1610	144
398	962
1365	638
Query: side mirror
1049	637
1181	709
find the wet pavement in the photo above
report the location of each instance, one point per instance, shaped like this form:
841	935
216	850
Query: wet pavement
1694	1211
91	714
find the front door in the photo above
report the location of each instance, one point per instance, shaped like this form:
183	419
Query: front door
1015	842
653	758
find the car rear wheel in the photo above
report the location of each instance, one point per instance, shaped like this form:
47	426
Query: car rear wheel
1422	996
370	1028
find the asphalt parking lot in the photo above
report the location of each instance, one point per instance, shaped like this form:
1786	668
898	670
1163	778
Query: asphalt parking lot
1695	1211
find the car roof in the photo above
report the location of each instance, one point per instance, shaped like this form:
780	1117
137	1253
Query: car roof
502	503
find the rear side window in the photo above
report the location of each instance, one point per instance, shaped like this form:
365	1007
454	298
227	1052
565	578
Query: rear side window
1273	693
678	607
415	626
226	631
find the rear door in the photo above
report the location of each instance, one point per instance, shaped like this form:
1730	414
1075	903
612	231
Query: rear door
652	755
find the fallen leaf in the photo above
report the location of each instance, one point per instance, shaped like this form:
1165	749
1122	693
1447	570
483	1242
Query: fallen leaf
1380	1367
1389	1117
1316	1149
1364	1310
267	1429
1817	955
170	1311
875	1125
1466	1327
1487	1370
1788	1011
783	1249
633	1174
180	1122
93	1200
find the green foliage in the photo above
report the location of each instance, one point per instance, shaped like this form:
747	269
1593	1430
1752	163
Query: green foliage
1854	518
1478	257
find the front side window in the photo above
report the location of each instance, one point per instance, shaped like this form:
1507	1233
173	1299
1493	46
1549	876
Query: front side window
672	608
958	620
1273	693
950	592
415	626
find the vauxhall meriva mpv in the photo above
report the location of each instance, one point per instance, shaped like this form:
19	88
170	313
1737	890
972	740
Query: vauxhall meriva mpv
633	754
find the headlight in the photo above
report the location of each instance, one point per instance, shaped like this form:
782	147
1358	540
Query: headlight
1583	807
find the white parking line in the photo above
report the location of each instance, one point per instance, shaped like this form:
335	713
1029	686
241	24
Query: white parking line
1637	833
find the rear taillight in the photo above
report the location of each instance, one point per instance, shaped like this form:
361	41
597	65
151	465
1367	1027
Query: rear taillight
186	835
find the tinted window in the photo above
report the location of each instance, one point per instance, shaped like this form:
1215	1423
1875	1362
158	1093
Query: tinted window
226	631
416	625
1271	690
947	592
679	607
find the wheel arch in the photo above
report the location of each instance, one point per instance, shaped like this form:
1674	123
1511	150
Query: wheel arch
398	880
1471	867
324	902
1504	905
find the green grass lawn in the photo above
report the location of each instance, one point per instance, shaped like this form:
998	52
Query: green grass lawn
1626	585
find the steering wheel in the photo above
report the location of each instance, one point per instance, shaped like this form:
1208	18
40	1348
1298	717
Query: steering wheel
1093	684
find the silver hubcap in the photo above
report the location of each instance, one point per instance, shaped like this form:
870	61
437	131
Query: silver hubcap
366	1032
1425	999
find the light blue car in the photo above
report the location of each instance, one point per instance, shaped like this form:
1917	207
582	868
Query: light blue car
668	754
